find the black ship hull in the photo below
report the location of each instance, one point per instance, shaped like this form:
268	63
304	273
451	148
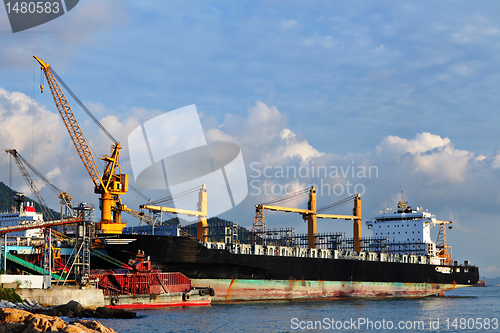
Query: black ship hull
256	277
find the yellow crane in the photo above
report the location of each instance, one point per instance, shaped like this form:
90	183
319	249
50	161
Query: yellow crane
443	249
311	215
201	213
112	183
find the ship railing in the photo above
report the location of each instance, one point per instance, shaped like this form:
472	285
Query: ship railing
325	254
372	256
322	253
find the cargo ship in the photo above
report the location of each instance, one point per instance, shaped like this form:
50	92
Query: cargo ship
399	261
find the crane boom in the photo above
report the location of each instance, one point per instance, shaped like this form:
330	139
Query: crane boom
112	183
31	184
201	213
311	215
139	215
65	197
74	130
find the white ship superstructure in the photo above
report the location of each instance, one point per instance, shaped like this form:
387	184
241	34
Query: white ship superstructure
24	214
407	230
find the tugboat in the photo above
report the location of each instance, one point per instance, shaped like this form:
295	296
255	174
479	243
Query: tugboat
139	286
481	283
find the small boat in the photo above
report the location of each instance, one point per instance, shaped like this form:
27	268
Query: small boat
139	286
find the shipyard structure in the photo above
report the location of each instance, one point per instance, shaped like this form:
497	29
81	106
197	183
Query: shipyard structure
220	260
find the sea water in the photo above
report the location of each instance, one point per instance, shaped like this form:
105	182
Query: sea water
460	310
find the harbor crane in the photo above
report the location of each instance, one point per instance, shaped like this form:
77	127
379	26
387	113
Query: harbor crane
201	213
112	183
21	162
65	198
310	215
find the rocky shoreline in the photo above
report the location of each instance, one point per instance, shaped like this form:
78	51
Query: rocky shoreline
28	316
15	320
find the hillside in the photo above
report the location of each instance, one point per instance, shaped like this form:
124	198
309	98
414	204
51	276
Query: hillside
177	220
493	281
7	200
181	221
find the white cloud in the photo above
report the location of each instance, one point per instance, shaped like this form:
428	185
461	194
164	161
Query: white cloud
263	136
317	39
476	29
66	33
492	269
20	118
288	24
54	173
462	70
216	135
295	148
29	127
429	154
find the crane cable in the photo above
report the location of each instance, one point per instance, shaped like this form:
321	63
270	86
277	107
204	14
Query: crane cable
94	119
84	108
40	175
177	196
287	197
336	204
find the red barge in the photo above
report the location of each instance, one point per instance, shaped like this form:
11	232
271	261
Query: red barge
138	286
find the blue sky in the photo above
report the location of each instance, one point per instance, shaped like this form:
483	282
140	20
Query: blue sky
408	87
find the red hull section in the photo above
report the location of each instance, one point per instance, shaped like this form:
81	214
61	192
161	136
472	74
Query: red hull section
159	305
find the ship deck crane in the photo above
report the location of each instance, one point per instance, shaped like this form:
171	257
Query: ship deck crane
444	250
201	213
310	214
65	198
139	215
112	183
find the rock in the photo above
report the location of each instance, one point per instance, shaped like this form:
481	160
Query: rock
103	312
30	303
10	315
21	306
69	309
123	314
14	320
52	312
42	323
87	313
11	327
95	326
77	328
74	307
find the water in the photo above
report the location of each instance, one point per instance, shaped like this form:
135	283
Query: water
470	306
